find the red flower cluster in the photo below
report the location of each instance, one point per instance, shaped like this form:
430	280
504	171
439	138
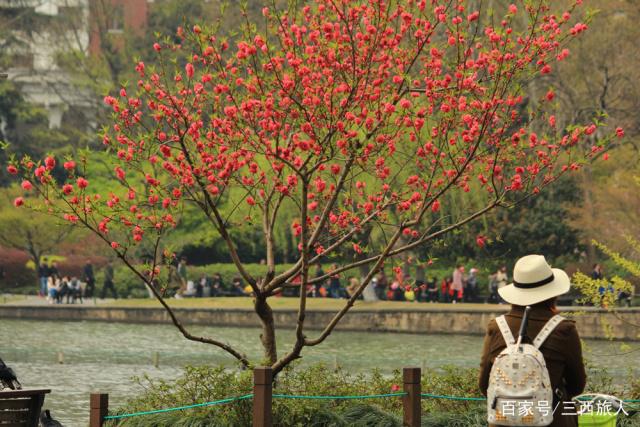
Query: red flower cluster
340	118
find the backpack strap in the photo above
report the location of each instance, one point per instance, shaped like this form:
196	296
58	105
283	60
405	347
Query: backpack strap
547	329
504	329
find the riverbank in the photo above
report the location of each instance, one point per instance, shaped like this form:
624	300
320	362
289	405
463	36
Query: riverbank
381	316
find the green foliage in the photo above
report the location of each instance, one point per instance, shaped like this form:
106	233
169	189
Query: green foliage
32	232
450	381
472	417
205	384
199	384
539	224
604	292
24	127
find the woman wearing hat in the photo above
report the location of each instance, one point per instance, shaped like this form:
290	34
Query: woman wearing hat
536	284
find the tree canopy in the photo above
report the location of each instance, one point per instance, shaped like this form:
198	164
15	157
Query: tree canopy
350	123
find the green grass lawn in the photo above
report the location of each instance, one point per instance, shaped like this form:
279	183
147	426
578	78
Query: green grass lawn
282	303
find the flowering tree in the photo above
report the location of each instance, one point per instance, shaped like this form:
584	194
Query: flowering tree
352	118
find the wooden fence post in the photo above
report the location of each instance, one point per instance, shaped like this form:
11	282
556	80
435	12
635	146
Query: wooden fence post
411	401
262	396
99	408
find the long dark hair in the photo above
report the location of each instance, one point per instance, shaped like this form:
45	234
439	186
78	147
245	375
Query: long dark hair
549	304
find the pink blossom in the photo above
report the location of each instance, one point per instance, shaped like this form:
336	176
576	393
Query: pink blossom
70	165
189	69
120	173
82	183
50	163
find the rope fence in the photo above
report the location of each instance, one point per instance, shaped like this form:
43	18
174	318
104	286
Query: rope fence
263	394
366	396
180	408
443	396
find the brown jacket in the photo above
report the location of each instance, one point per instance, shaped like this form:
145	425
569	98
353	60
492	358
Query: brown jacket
562	353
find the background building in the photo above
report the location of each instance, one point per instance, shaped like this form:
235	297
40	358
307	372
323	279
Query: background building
47	45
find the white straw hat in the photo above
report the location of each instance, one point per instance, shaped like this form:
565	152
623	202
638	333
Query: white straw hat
534	281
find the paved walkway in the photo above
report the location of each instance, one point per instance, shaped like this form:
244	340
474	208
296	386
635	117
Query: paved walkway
32	300
277	304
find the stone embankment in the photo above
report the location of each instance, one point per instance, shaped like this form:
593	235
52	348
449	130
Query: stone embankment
623	324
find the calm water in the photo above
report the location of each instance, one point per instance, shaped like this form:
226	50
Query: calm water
104	356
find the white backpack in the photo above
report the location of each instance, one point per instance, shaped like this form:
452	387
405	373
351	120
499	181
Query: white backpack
520	392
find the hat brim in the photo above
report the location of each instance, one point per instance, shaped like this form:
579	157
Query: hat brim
521	296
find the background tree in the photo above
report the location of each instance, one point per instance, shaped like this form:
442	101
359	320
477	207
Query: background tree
354	120
545	224
615	202
35	233
600	80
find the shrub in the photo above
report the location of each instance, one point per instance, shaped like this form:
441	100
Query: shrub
204	384
16	271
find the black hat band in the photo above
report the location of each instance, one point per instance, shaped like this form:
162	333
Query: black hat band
534	284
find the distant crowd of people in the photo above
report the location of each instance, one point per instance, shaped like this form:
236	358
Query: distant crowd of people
459	286
58	288
623	298
205	286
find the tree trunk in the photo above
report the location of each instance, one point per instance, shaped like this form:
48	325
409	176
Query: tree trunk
268	335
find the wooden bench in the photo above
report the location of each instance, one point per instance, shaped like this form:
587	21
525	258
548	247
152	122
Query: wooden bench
21	408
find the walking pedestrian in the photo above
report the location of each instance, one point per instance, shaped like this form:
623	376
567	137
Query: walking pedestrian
89	279
108	281
182	277
43	275
471	286
457	284
53	271
335	287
